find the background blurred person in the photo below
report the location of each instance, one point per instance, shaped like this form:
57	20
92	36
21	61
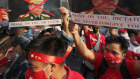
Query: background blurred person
12	65
134	48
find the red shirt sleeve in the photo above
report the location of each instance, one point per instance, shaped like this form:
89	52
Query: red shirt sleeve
98	60
86	33
130	66
130	55
103	39
87	39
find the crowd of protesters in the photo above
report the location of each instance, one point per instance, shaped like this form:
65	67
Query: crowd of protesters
74	52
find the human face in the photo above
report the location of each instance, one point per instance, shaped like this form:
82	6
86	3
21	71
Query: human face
10	54
135	40
37	11
115	49
105	8
36	65
20	31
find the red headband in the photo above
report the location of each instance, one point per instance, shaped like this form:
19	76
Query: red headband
47	58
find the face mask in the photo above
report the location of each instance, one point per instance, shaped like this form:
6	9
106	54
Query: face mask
4	60
112	60
37	75
45	59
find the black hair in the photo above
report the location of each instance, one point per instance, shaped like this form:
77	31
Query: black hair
135	32
1	8
95	29
120	40
50	30
50	45
7	40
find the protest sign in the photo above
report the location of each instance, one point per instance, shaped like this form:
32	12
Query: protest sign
34	13
4	10
112	13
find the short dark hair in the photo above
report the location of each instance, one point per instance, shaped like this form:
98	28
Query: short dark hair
120	40
7	40
1	8
135	32
50	30
49	45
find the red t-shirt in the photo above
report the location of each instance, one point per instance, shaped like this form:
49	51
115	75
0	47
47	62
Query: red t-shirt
130	55
113	73
71	74
91	40
132	51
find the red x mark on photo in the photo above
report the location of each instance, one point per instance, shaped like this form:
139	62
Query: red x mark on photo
108	1
36	6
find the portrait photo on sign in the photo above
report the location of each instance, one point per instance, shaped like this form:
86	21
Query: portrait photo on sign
34	12
4	11
113	13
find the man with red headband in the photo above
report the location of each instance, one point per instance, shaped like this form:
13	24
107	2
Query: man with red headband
134	48
111	64
46	55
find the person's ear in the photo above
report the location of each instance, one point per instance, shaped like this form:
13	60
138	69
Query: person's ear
53	66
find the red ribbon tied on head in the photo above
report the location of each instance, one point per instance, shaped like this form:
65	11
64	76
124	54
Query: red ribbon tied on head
48	58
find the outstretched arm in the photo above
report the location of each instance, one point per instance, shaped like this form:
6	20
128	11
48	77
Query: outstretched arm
64	14
80	45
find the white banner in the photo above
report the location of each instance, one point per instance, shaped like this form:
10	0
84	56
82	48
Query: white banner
35	23
129	22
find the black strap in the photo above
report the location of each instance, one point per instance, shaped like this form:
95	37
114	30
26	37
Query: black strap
96	50
102	69
124	71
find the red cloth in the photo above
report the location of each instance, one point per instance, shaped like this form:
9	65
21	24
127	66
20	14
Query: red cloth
132	51
71	74
130	55
91	40
1	13
113	73
122	31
